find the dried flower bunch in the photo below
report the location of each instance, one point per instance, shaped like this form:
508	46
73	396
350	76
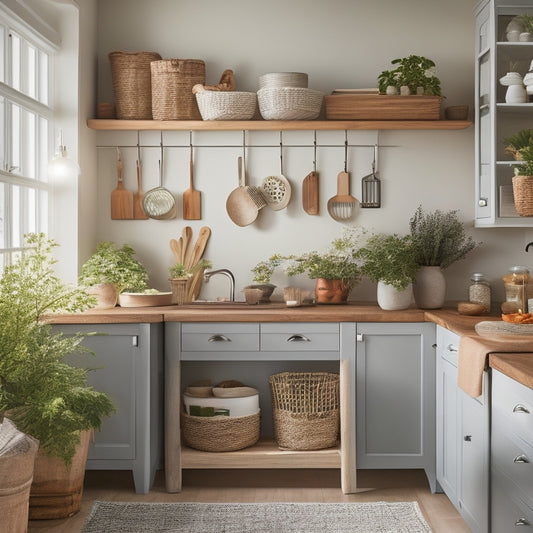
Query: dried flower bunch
439	238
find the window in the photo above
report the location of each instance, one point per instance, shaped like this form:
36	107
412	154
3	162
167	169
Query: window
26	120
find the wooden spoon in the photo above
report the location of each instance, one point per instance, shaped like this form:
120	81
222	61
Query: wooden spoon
199	245
310	193
192	201
176	247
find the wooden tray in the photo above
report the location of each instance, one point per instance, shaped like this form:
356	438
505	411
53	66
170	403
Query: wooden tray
382	107
490	328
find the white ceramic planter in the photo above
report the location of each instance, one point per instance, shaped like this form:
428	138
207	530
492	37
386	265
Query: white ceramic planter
391	299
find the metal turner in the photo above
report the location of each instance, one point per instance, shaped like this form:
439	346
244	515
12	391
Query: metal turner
371	186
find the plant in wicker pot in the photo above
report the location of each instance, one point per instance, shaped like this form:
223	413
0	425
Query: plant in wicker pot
40	392
390	261
520	146
439	240
183	281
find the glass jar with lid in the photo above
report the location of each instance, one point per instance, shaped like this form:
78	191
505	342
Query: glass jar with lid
518	287
479	291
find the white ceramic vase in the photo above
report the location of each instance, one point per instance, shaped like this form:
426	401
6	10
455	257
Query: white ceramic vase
430	287
516	94
391	299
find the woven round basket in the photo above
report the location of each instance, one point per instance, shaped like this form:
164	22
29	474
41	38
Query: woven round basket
132	86
289	103
220	433
226	105
283	79
523	195
172	83
305	409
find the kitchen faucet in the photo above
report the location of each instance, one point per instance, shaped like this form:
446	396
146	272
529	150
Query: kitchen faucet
226	273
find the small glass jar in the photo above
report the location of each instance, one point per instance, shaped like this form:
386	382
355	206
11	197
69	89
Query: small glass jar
518	286
479	291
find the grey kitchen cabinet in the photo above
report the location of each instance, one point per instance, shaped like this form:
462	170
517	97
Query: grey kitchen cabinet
511	455
128	366
495	119
463	438
395	381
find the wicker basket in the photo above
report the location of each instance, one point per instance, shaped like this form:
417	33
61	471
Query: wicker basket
305	409
132	86
283	79
523	195
220	433
172	83
289	103
226	105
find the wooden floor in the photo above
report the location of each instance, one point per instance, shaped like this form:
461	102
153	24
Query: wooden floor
266	486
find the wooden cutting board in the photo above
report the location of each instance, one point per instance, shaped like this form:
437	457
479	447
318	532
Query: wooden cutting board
310	193
121	199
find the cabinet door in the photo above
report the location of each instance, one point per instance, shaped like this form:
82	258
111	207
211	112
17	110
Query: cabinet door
395	380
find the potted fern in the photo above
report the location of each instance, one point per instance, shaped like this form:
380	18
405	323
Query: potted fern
389	260
40	392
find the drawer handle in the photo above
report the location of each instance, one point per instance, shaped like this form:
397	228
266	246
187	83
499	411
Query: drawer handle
520	409
218	338
467	438
452	348
521	522
521	459
298	338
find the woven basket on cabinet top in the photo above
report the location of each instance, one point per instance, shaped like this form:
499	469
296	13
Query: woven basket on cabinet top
132	86
172	83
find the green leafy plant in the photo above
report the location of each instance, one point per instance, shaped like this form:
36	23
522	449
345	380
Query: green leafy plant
340	261
520	146
412	71
391	259
110	264
439	238
527	21
180	271
44	395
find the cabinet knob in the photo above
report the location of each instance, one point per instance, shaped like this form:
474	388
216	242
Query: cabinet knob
359	337
467	438
218	338
518	408
482	202
521	459
521	522
298	338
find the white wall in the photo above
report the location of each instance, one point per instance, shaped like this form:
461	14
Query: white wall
340	44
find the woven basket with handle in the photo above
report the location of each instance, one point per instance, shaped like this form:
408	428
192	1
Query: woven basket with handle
132	84
172	83
523	195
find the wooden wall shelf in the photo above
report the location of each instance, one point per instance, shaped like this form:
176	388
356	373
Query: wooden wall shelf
274	125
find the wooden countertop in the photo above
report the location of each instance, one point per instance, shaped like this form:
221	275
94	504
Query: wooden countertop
518	366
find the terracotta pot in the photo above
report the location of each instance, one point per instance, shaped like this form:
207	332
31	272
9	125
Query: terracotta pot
106	295
391	299
57	489
430	287
331	291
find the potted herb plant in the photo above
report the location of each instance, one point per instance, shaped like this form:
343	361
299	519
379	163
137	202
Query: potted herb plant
40	392
390	261
439	240
184	281
112	270
337	270
520	146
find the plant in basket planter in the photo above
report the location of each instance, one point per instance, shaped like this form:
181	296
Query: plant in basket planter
337	270
184	281
390	261
40	392
439	240
520	146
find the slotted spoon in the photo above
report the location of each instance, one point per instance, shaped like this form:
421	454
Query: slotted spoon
342	206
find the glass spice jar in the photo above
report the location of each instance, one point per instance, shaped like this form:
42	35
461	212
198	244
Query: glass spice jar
479	291
518	287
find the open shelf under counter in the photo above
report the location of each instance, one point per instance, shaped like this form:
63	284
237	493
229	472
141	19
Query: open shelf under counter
275	125
264	454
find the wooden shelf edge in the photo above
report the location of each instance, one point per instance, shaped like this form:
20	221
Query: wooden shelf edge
275	125
264	454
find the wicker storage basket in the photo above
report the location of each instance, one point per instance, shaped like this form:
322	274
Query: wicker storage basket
226	105
305	409
523	195
283	79
172	83
130	72
220	433
289	103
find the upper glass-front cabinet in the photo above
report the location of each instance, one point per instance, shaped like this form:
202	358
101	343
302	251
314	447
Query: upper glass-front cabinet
502	47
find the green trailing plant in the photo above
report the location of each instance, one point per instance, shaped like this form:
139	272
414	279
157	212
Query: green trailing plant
180	271
111	264
340	261
439	238
391	259
44	395
412	71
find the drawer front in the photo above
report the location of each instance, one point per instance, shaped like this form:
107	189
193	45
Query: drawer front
508	512
515	402
448	344
220	337
299	337
512	457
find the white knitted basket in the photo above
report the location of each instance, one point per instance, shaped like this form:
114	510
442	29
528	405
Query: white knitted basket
226	105
289	103
283	79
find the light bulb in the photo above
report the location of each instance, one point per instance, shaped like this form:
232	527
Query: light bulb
61	167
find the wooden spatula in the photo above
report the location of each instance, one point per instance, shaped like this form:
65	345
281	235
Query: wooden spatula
192	199
310	193
199	245
138	211
121	199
